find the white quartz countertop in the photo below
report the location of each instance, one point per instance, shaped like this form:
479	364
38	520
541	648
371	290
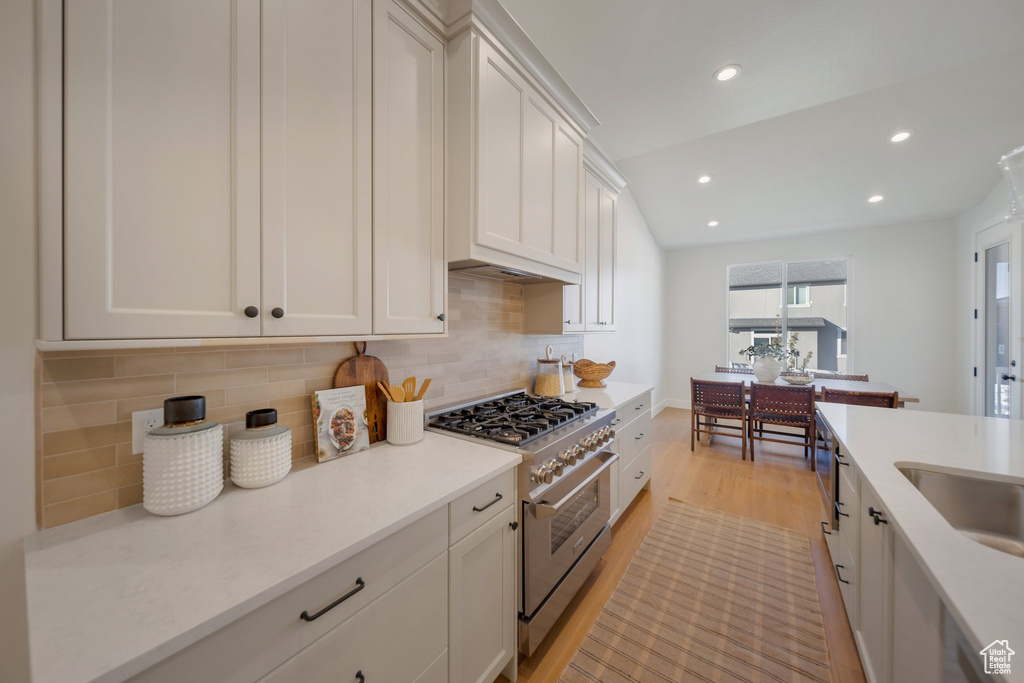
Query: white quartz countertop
615	394
111	595
983	588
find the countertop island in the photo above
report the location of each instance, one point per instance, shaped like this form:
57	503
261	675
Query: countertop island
111	595
981	587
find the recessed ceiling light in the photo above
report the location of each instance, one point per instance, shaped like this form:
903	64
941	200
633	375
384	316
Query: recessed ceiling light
704	179
727	73
900	136
712	224
875	198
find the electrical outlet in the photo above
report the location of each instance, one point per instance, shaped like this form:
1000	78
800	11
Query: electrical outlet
142	422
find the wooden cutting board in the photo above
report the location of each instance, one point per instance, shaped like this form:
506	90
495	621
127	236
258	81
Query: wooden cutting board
367	371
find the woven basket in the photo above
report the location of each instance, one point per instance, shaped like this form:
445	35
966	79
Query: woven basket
591	373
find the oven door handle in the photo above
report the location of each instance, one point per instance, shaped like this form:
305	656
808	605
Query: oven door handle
542	510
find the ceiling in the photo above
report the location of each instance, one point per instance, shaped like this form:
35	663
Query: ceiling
799	140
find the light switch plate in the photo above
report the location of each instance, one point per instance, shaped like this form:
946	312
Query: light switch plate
142	422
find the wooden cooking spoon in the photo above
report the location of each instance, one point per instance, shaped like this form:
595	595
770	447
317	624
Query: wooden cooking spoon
397	393
423	389
409	386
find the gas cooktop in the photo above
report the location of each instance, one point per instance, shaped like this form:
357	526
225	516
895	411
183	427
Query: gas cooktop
515	419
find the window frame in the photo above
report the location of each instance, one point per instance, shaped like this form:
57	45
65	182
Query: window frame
848	291
795	288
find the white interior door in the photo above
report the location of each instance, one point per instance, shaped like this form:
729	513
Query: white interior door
317	146
999	342
162	168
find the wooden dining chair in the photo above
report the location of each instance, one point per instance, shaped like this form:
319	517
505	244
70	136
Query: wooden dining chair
861	398
712	401
772	404
734	371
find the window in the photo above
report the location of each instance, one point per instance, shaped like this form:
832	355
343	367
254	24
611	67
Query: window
798	295
816	332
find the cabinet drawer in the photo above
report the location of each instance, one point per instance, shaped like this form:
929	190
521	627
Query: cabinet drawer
436	672
480	505
631	410
633	438
395	638
846	575
256	643
634	476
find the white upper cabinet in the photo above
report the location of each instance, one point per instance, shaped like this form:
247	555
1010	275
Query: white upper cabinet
515	168
408	171
599	276
161	168
317	212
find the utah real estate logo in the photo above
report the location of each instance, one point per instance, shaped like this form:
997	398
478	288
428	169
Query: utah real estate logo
997	657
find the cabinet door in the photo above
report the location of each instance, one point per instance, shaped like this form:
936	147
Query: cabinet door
568	198
500	167
482	615
538	178
316	165
592	248
573	306
875	571
161	175
916	620
606	260
408	171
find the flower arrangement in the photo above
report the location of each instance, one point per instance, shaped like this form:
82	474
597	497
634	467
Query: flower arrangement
773	349
794	354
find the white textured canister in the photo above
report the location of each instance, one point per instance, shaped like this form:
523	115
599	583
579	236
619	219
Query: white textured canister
262	454
405	422
182	461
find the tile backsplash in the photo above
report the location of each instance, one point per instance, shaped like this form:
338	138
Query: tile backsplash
85	464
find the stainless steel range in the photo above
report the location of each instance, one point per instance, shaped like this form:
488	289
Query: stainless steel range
565	489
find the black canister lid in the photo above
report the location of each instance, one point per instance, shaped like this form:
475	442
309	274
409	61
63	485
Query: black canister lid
264	417
184	409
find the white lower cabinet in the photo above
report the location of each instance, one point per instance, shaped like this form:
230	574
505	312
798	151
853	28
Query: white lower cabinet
916	652
632	471
393	639
875	573
482	616
616	492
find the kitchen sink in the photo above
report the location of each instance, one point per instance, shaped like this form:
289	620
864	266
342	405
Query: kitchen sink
988	512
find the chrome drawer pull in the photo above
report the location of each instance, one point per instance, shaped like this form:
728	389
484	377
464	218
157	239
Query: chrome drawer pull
637	438
639	407
497	497
360	585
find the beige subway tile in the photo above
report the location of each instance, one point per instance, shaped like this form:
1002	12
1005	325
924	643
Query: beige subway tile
169	363
298	451
125	455
88	437
292	403
214	346
265	392
303	463
78	485
77	416
258	357
280	373
295	421
222	379
73	369
319	384
92	390
125	408
331	354
68	464
233	413
80	508
129	495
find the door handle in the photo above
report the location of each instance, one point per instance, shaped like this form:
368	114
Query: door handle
1010	378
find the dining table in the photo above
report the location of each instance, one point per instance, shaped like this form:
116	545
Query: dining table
818	383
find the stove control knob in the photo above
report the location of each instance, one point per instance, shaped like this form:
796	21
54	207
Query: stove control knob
611	433
567	457
590	443
554	466
541	475
578	452
601	435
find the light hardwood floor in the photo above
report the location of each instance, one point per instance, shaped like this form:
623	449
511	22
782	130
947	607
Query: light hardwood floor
778	488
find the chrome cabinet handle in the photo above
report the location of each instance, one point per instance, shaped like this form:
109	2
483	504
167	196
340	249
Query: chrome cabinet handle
497	497
840	576
360	585
827	533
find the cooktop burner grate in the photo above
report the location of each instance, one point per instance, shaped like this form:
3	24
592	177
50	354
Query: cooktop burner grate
515	419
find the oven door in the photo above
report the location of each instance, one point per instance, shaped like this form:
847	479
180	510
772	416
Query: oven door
824	463
560	525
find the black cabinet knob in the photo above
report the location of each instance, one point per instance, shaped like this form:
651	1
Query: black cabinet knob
513	525
251	311
277	312
442	317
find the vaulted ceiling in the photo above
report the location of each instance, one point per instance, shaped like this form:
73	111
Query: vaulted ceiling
800	139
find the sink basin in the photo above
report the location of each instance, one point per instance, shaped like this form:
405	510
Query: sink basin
988	512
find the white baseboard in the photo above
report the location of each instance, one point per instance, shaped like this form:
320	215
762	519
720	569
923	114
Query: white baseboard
673	403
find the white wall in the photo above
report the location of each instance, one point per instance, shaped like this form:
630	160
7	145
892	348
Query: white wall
901	302
17	282
990	212
637	344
